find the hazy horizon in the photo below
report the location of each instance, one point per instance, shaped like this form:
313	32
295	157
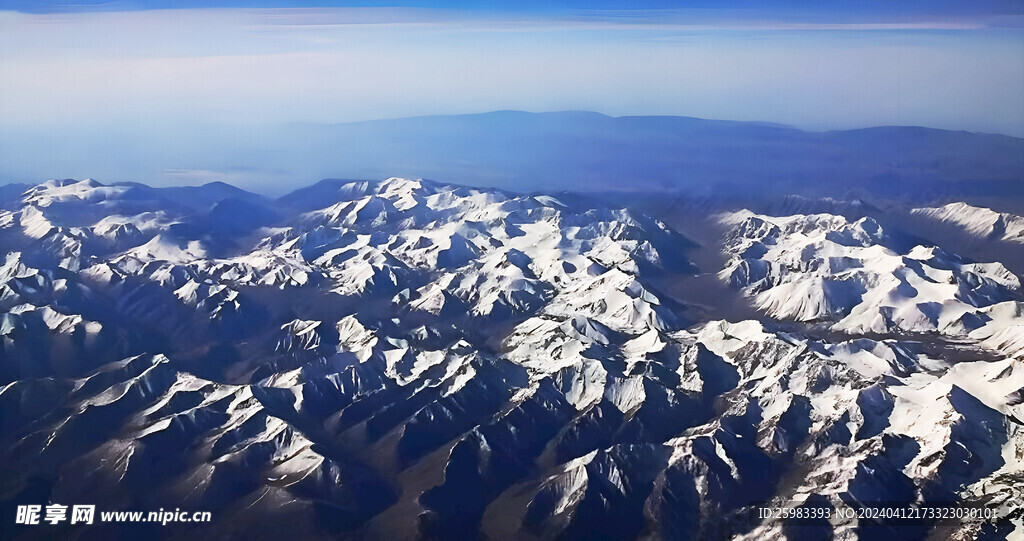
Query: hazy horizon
154	91
575	151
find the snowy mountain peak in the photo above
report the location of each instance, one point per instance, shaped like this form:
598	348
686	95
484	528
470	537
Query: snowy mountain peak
825	268
978	221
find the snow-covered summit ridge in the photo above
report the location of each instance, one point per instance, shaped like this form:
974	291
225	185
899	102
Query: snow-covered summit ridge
827	268
978	221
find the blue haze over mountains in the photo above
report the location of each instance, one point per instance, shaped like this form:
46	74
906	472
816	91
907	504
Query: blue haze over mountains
572	151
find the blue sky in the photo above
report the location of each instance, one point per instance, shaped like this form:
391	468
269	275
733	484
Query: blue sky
832	6
129	68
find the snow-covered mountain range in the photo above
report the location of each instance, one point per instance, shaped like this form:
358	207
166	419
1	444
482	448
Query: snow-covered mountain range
405	359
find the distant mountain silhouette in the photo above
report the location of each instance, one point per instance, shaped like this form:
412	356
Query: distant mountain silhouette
586	152
573	151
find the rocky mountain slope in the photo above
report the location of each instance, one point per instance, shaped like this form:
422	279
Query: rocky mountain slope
412	360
